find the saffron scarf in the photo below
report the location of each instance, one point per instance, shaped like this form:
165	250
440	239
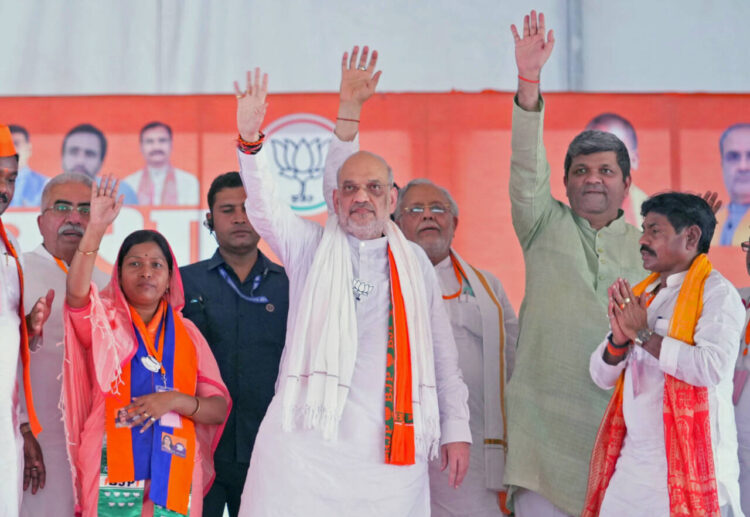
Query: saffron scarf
321	349
132	455
36	427
399	414
146	189
691	476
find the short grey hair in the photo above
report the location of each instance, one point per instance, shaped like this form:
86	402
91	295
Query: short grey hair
423	181
594	141
64	179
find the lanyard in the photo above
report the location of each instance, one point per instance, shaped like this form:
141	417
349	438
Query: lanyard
61	265
256	283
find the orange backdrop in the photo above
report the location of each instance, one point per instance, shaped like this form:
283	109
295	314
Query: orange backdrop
461	141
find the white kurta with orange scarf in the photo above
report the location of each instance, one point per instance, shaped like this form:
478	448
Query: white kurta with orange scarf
43	273
300	473
11	451
638	487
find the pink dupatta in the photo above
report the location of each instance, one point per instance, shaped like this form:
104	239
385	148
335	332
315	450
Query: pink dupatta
95	362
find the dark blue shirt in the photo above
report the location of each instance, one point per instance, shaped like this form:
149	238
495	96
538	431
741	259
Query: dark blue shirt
246	339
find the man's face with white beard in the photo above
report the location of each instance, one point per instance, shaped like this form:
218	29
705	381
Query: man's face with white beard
62	222
365	197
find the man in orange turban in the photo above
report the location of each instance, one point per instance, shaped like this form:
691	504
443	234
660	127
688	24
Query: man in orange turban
15	327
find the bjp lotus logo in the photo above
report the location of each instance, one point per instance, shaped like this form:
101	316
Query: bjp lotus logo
300	144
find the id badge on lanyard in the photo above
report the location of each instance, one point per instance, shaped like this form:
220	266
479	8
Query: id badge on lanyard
118	499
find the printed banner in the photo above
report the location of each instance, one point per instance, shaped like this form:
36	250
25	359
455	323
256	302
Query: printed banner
167	149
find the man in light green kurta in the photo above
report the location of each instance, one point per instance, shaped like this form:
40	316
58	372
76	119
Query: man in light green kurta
572	255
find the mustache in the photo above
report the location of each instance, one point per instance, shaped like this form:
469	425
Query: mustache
647	250
71	227
362	204
4	197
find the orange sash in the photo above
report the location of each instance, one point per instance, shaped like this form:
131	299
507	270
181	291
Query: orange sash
399	415
36	427
691	475
120	453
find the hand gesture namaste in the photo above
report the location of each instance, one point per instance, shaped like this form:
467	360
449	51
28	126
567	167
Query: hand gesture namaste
532	51
251	105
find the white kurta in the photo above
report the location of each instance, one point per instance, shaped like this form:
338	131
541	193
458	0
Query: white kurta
42	274
300	473
473	498
742	412
11	451
639	484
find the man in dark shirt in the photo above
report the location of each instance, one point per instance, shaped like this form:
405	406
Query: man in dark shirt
238	299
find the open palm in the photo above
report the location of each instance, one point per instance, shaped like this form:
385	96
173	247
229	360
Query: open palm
358	78
251	105
532	50
105	205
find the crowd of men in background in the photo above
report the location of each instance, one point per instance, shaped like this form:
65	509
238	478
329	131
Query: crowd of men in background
569	409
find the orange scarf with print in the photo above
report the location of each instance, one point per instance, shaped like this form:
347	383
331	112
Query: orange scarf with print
36	427
691	475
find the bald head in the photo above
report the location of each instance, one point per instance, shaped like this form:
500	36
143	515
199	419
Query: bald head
365	161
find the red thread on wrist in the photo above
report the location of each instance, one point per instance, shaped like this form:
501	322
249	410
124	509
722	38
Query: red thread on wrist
528	80
348	119
250	147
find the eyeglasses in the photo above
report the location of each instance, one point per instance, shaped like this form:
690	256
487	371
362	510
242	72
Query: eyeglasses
64	209
745	246
435	209
373	188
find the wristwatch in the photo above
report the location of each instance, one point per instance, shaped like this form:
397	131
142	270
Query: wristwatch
643	335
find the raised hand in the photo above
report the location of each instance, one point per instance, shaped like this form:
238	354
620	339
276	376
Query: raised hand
712	198
251	105
532	50
358	78
105	205
39	313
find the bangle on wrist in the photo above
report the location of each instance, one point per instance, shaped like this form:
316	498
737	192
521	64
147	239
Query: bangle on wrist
197	407
79	250
616	351
250	147
625	345
528	80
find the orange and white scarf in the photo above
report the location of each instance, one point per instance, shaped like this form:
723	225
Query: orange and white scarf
36	427
322	346
691	475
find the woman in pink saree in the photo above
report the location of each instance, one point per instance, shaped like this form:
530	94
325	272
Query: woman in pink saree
144	403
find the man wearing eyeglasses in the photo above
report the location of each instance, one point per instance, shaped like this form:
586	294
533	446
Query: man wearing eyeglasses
741	396
63	219
369	388
486	329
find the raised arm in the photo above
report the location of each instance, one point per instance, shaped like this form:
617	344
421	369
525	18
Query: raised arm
532	52
105	205
530	196
272	217
358	82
